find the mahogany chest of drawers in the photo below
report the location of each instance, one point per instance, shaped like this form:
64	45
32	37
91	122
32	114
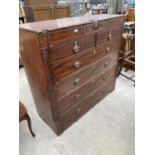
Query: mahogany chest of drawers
70	64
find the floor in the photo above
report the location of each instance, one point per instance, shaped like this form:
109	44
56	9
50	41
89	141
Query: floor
107	129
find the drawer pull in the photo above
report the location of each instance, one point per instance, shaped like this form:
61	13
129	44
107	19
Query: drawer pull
108	50
77	80
77	97
76	47
77	64
76	30
110	36
106	64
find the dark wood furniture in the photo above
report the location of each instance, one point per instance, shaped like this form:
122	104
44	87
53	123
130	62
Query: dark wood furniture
45	12
71	64
23	115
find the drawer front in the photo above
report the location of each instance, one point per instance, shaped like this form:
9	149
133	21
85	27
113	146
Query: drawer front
63	50
99	25
73	64
76	96
85	74
76	112
65	33
107	48
108	36
114	23
68	101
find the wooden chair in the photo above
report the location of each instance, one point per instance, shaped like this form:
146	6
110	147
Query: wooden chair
23	115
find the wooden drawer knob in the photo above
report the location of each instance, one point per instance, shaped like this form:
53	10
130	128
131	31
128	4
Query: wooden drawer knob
76	81
77	97
76	47
108	50
77	64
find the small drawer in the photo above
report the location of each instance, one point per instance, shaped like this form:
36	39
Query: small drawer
115	23
63	69
73	98
107	48
109	36
60	51
65	33
83	75
95	26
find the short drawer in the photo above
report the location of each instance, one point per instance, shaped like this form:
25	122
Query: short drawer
109	36
65	33
83	75
70	48
107	48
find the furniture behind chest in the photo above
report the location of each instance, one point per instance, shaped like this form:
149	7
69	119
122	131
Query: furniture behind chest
36	10
71	64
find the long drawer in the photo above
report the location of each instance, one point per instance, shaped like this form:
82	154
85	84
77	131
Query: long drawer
73	97
62	50
71	116
81	76
65	68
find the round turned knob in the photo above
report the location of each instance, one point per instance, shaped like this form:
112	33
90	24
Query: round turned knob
76	81
77	64
77	97
106	63
76	47
108	50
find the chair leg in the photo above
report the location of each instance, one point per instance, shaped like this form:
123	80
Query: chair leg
29	124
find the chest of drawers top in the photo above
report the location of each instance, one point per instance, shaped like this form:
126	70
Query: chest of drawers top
51	25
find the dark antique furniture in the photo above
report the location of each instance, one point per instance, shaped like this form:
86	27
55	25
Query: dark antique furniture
23	115
36	10
71	64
